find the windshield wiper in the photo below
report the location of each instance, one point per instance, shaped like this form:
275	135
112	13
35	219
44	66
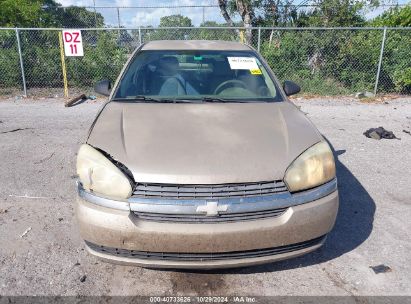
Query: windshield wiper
216	99
146	98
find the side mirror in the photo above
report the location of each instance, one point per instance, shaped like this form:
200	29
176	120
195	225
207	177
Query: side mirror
103	87
291	88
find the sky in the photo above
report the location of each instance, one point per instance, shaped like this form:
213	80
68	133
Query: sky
134	17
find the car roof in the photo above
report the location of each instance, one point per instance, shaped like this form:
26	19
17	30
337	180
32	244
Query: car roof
212	45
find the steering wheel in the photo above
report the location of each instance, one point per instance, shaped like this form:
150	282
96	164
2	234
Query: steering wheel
229	83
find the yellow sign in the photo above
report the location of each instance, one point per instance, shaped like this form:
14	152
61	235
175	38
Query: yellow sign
256	72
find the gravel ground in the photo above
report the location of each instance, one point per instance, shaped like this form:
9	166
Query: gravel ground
41	252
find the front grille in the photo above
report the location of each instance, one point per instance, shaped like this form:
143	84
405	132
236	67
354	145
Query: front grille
198	257
173	191
222	217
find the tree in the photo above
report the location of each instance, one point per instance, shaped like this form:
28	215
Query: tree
46	13
73	16
175	21
205	33
246	10
165	33
20	13
276	13
259	13
335	13
397	16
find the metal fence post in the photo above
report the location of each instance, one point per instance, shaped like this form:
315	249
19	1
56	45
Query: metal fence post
259	39
23	77
139	35
380	60
118	17
95	13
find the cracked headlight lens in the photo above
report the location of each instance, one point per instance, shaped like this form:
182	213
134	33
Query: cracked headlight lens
312	168
99	175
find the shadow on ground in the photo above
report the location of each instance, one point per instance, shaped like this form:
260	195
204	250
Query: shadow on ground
353	226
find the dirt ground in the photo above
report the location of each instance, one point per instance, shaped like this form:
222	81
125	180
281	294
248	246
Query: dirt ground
41	252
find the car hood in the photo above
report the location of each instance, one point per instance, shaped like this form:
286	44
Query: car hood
208	143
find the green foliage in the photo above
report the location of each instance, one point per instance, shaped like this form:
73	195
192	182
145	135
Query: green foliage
20	13
397	16
337	62
103	60
175	20
74	17
171	34
403	79
9	60
335	13
325	62
396	63
46	13
41	57
204	33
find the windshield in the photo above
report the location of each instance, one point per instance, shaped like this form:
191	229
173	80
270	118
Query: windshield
207	76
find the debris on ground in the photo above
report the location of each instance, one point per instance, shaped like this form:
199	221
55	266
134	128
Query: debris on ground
381	268
44	159
25	232
92	97
15	130
364	95
60	219
83	278
379	133
72	101
3	211
406	131
32	197
77	264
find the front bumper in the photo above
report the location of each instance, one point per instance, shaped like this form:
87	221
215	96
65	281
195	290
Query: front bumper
119	236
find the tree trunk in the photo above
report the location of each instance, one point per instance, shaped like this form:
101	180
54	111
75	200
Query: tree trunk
223	9
246	12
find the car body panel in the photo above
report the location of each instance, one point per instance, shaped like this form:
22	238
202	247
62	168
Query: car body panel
204	143
120	229
203	45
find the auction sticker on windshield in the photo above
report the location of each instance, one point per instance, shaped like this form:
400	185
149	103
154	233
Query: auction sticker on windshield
242	63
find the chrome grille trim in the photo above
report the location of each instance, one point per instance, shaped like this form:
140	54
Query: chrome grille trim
218	191
209	256
187	206
235	205
223	217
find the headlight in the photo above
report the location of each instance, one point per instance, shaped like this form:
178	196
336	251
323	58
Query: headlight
100	175
312	168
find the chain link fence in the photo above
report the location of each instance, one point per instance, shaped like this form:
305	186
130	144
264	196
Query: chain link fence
324	61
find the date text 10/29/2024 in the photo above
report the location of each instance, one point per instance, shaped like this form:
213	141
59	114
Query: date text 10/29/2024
205	299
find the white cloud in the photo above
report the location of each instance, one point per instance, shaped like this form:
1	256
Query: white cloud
144	17
374	13
134	17
76	2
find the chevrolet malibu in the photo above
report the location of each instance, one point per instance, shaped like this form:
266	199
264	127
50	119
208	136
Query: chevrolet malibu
199	160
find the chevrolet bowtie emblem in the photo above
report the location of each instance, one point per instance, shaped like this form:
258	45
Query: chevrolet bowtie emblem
211	208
